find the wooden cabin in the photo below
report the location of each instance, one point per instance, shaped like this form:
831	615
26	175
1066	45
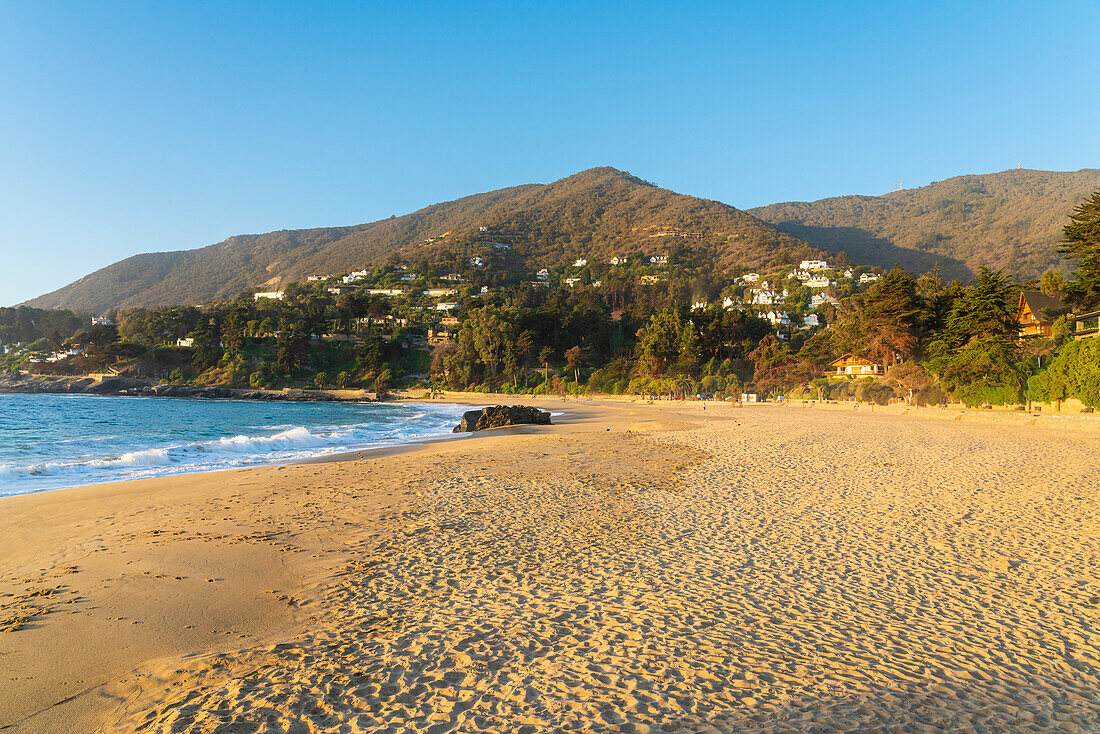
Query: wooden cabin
1036	313
851	365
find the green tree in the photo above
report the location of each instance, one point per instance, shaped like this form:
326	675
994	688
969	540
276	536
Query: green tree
511	363
525	345
1052	283
488	333
545	355
1081	243
884	322
659	341
987	370
292	346
774	364
207	347
576	357
382	382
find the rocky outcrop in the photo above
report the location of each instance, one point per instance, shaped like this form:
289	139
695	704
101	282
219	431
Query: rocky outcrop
498	416
27	383
21	382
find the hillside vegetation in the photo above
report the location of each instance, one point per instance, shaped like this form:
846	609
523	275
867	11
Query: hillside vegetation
598	213
1012	220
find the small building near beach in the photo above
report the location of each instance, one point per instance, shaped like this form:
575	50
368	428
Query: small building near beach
1086	325
851	365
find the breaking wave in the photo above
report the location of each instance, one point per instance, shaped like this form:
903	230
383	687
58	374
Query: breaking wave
159	437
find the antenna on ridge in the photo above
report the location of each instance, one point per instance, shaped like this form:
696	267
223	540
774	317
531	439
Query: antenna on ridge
1019	165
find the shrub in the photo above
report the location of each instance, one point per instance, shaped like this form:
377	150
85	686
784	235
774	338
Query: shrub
930	395
1073	373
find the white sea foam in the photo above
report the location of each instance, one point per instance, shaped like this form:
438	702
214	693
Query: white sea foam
146	457
297	436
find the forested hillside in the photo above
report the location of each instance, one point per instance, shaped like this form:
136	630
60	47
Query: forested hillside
598	213
1012	220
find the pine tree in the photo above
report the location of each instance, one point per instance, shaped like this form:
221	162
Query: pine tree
1081	242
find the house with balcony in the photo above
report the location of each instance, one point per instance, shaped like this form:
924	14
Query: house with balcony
852	365
1086	325
820	299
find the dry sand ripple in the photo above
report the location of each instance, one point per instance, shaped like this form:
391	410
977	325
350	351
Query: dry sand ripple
792	570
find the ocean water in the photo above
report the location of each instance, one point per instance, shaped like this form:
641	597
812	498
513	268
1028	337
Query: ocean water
57	441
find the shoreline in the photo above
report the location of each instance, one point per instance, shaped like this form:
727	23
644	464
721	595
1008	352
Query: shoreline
567	408
401	446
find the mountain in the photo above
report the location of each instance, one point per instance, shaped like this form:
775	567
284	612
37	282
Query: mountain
597	213
1012	220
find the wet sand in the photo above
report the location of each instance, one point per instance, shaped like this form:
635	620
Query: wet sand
771	569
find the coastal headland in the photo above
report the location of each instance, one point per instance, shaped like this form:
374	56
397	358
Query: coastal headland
633	567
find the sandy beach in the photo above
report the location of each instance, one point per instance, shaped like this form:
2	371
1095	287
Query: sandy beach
635	568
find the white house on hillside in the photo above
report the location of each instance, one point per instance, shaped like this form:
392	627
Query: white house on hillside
778	318
813	265
765	298
580	262
355	276
820	281
273	295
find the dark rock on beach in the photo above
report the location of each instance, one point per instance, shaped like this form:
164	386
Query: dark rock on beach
498	416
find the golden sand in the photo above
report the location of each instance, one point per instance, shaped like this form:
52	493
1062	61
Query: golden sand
772	569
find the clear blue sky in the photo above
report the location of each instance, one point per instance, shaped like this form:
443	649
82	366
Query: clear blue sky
145	126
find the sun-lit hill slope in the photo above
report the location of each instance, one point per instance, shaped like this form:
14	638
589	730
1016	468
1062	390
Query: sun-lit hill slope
597	213
1012	219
